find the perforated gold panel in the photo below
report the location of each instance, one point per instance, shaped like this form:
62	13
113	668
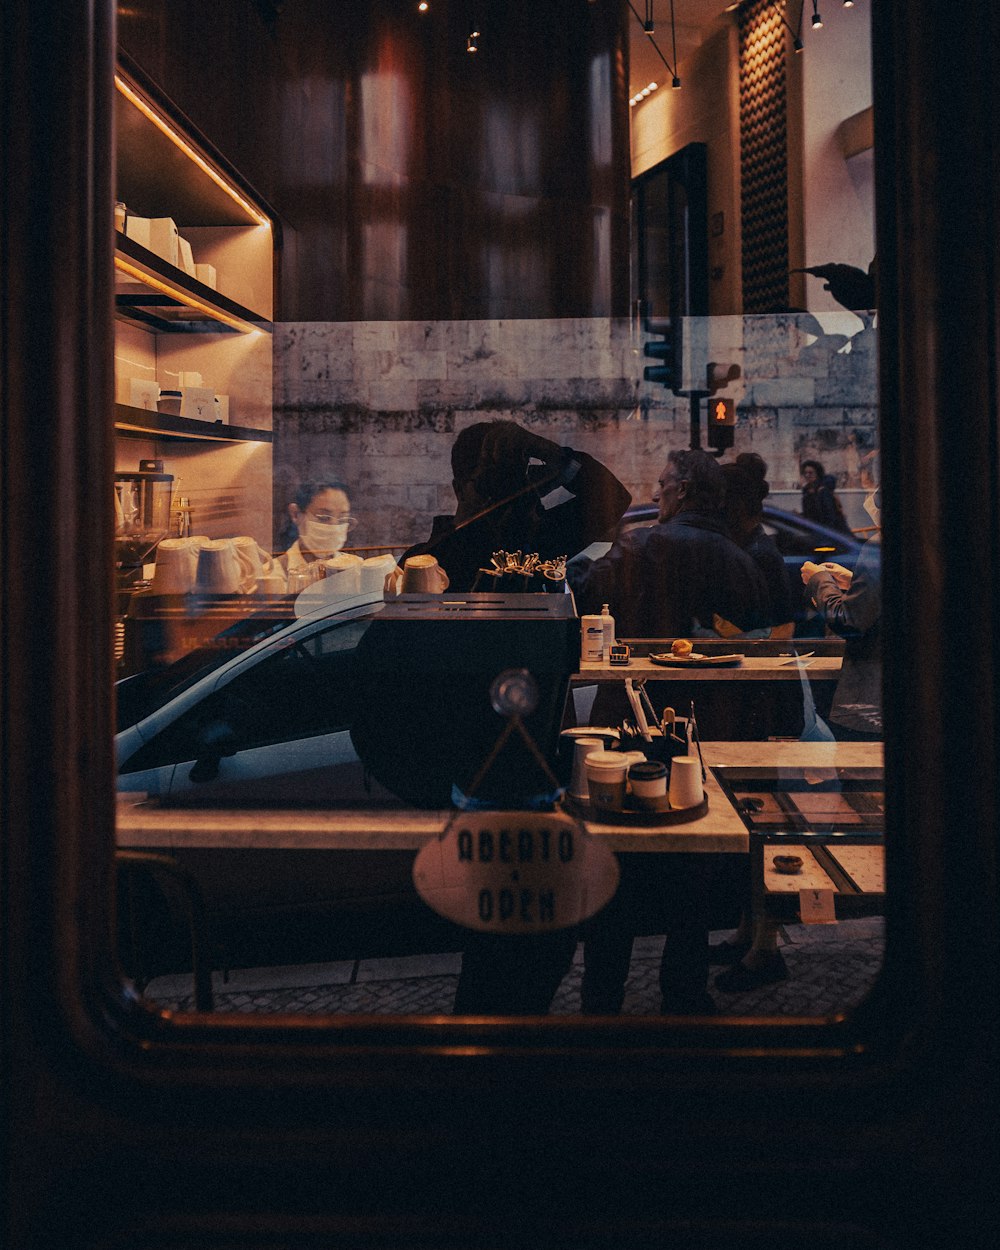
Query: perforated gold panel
763	157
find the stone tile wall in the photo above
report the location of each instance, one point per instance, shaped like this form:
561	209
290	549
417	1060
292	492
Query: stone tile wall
377	405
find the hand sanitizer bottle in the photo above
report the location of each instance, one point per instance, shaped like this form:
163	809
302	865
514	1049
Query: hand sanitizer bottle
608	624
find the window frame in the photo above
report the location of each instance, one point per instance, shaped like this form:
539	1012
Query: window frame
62	838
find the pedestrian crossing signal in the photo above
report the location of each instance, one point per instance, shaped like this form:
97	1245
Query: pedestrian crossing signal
721	420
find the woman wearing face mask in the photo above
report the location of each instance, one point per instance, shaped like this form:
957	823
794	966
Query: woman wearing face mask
319	518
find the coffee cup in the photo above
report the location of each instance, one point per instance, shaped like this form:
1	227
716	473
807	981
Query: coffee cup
647	780
578	781
606	779
685	781
220	570
423	575
176	566
345	570
272	583
374	571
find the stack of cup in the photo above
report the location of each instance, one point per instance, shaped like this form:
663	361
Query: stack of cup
606	771
685	781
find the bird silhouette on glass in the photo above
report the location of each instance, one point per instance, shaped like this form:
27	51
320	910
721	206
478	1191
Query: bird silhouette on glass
849	286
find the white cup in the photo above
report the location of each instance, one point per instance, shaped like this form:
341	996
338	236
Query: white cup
685	781
606	779
374	571
578	781
220	569
272	583
176	566
345	570
254	559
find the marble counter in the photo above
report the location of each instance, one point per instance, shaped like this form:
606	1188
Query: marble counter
750	668
148	825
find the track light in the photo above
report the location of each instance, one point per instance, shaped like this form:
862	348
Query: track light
817	21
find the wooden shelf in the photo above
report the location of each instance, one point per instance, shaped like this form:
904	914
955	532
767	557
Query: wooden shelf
142	423
165	300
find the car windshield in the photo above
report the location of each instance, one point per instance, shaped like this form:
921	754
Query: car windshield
143	693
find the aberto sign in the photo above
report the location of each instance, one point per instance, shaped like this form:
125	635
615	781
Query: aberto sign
515	872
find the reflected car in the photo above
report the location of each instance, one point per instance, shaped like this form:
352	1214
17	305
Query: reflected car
259	715
798	539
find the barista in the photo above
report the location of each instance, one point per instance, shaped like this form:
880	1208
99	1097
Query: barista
319	520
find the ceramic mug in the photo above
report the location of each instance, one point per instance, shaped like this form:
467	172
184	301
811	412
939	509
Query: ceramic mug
254	558
374	571
343	572
420	575
221	570
176	565
423	575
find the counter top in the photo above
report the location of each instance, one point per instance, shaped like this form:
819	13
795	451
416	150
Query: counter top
750	668
145	824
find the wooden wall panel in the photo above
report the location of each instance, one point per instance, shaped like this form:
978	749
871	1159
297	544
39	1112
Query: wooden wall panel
414	180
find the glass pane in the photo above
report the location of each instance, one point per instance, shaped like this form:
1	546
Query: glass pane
321	604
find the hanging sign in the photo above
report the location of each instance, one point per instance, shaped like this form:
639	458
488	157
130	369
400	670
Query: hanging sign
515	872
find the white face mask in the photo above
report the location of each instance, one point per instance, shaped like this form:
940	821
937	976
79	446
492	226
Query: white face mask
324	538
872	508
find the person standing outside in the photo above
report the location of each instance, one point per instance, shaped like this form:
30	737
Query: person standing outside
819	503
672	578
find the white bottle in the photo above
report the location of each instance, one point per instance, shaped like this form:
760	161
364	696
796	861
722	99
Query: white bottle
608	624
592	639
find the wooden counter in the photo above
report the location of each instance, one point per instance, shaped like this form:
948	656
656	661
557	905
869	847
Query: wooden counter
750	668
720	830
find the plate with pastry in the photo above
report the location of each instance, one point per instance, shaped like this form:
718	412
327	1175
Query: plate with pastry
683	655
695	659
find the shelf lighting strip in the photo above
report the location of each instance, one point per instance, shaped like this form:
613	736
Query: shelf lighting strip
191	153
184	297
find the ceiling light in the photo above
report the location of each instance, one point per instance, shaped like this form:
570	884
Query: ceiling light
848	4
472	43
675	82
817	21
647	24
423	6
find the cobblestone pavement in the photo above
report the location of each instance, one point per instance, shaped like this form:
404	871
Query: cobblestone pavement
831	968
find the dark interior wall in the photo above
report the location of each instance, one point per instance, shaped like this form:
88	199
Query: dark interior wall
415	181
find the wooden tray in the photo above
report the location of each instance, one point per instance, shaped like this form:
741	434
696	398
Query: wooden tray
643	818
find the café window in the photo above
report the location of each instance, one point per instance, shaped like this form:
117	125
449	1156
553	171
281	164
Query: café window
363	566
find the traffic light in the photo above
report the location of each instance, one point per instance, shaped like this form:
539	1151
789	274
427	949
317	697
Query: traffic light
721	420
667	350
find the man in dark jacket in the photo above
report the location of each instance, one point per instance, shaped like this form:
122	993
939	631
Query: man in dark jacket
671	579
554	507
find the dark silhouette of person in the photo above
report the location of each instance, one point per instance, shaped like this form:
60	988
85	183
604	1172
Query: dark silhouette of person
507	482
746	489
